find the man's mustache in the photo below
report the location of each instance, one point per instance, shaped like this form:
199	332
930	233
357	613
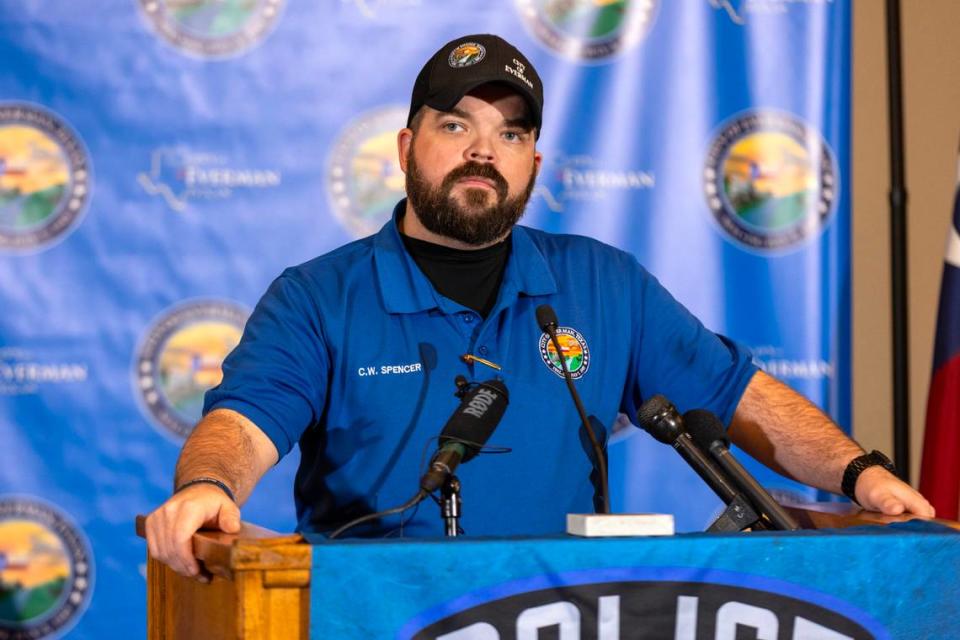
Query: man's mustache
477	170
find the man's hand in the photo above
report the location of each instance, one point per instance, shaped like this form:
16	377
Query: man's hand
226	446
879	490
171	527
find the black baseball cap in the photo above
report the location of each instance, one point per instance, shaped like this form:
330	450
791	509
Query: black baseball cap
464	64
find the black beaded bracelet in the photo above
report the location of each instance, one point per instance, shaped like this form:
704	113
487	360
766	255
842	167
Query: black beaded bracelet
205	480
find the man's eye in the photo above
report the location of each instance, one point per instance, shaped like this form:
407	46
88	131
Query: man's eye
513	136
452	126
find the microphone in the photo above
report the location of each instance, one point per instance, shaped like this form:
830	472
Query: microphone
467	430
708	432
547	321
660	418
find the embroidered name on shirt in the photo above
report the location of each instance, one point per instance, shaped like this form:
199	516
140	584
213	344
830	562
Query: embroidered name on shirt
389	369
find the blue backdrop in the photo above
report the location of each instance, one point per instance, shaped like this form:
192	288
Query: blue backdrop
162	161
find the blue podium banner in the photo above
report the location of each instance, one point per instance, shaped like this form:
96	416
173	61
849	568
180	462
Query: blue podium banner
895	582
161	161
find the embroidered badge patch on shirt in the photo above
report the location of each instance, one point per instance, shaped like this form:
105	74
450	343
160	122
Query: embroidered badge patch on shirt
574	349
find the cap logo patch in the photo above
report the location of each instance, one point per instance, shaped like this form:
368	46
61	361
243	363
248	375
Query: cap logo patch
466	54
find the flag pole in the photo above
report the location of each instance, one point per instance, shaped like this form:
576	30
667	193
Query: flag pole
898	248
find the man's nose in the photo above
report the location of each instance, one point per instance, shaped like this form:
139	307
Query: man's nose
480	150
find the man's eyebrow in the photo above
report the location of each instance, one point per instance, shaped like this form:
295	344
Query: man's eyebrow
460	113
522	123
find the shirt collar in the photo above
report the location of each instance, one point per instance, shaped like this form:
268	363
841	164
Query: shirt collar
406	289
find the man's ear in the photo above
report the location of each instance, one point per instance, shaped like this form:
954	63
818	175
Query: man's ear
537	161
404	140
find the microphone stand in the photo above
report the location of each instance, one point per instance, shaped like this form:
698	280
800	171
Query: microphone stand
450	506
547	320
737	516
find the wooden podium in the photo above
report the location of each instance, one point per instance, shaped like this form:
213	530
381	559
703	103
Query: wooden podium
260	586
260	589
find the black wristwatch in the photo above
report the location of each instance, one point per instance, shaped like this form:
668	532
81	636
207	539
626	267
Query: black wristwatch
857	466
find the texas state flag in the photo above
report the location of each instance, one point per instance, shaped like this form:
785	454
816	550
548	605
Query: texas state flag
940	469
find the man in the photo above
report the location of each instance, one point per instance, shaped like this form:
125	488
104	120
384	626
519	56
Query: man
354	354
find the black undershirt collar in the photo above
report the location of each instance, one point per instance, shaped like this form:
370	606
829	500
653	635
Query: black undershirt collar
470	277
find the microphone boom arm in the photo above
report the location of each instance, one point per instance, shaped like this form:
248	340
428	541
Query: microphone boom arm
547	320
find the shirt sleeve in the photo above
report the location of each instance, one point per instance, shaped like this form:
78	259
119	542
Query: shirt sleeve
277	375
676	356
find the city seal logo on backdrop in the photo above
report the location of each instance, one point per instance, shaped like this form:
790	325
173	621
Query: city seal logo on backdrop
180	358
574	349
588	30
44	177
212	28
364	180
770	180
46	570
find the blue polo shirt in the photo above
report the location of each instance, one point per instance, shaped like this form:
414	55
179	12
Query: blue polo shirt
353	355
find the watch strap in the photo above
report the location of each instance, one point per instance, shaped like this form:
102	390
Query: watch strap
857	466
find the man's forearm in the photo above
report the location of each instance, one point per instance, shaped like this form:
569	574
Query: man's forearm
786	432
222	446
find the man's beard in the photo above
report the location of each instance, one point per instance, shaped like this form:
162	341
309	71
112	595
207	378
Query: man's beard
474	223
